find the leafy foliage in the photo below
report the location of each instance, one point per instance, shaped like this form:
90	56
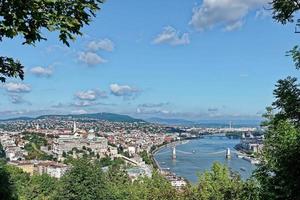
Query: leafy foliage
10	68
287	94
146	158
18	179
155	188
295	54
34	146
279	175
7	189
2	152
220	184
40	187
31	17
284	10
35	138
85	181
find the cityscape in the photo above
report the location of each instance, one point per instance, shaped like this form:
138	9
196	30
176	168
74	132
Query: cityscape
46	144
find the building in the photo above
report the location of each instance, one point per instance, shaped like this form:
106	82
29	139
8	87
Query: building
98	145
141	171
53	169
26	165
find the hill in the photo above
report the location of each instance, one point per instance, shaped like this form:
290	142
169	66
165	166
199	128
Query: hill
95	116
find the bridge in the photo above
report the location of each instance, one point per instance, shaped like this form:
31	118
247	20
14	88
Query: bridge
227	152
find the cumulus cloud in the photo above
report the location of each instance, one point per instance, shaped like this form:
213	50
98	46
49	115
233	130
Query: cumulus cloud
90	58
105	44
42	71
152	111
228	14
79	112
234	26
90	95
17	87
125	91
171	36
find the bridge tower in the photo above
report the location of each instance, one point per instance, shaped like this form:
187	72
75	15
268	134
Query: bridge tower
174	152
228	154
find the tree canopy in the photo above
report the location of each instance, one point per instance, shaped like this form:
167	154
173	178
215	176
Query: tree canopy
31	18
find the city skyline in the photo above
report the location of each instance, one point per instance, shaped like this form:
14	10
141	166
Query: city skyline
131	60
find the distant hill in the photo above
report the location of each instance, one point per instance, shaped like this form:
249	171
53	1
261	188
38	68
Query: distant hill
18	119
96	116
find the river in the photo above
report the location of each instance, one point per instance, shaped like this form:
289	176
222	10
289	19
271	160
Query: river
198	155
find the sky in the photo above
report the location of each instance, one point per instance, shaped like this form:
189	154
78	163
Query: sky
199	60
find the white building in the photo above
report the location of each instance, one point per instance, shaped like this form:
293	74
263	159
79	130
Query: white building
66	144
53	169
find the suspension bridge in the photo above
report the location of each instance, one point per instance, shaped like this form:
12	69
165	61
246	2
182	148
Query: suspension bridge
174	152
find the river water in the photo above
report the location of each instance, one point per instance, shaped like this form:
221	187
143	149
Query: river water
198	155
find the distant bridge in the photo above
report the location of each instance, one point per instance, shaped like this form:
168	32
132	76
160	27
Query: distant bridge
197	153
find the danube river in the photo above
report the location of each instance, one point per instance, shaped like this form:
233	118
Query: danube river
198	155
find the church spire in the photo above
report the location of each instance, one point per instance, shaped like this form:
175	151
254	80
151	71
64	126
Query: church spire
74	127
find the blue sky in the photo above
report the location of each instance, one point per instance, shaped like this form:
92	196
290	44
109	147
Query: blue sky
178	59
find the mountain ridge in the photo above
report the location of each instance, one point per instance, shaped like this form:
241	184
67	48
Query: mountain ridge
98	116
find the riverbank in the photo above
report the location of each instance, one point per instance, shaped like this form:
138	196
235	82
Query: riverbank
158	148
199	155
175	180
246	155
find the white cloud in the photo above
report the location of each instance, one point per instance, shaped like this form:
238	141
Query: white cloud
171	36
90	58
79	112
228	14
152	111
104	44
17	87
123	90
89	95
263	13
84	104
42	71
234	26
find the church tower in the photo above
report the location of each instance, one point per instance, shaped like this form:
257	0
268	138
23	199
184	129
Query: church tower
74	127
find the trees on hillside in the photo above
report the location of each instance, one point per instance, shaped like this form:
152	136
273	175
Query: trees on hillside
7	189
84	181
279	173
30	18
220	184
